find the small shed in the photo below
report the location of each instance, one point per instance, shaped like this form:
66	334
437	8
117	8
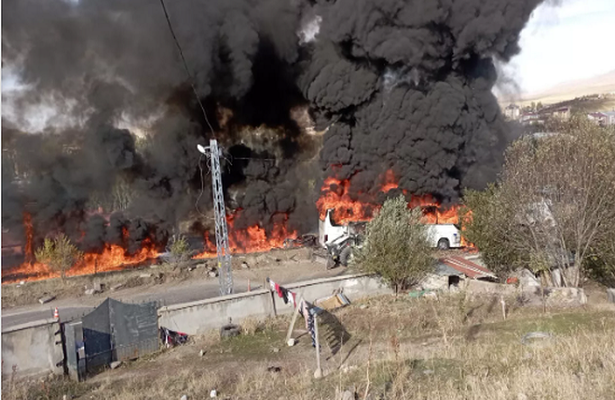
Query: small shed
450	271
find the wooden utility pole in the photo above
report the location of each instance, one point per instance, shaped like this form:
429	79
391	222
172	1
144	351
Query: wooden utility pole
294	319
318	372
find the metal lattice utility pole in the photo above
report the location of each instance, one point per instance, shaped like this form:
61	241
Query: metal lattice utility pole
223	252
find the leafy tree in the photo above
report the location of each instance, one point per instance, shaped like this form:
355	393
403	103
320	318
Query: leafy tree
539	106
554	206
485	221
396	246
59	254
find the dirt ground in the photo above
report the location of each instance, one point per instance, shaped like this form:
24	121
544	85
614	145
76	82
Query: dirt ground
453	347
285	265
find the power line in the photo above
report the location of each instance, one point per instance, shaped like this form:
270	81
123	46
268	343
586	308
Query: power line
181	53
196	95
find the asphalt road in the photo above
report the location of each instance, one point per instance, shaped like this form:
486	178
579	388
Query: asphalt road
75	308
170	296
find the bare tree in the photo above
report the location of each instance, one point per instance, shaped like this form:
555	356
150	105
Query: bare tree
396	245
59	254
122	193
558	196
179	250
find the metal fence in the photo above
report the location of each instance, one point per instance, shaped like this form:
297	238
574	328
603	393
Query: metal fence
117	331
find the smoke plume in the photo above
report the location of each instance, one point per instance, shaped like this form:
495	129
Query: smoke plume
401	85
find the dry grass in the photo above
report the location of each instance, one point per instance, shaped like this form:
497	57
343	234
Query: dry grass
397	350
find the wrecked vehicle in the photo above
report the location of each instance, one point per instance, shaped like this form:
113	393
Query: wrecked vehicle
339	240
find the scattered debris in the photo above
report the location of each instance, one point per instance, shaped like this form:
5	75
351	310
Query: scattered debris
171	338
428	372
184	397
212	273
291	342
201	353
90	292
115	364
529	338
275	350
229	330
46	299
431	295
307	240
610	294
418	293
98	287
274	369
213	394
363	306
116	287
332	302
245	265
145	276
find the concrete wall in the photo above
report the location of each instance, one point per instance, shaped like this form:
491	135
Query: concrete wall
200	316
31	348
353	286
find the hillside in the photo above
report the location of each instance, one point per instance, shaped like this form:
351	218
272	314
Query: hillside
569	90
453	348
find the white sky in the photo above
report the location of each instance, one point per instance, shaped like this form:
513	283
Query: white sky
572	41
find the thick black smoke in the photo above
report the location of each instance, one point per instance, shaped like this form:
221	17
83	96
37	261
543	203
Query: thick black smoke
402	85
411	85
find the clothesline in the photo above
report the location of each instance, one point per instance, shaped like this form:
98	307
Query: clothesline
306	309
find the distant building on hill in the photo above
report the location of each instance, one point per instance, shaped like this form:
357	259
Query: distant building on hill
561	113
597	117
609	117
602	118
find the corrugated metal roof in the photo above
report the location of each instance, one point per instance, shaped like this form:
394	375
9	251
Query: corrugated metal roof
467	267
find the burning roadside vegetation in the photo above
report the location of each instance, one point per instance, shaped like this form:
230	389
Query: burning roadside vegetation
364	102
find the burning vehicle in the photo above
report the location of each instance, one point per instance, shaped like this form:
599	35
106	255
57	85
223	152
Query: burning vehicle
339	240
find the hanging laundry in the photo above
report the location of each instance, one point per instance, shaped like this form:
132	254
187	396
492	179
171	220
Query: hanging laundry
309	313
292	298
286	295
283	293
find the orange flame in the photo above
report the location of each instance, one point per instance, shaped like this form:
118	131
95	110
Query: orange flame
335	195
113	257
254	239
